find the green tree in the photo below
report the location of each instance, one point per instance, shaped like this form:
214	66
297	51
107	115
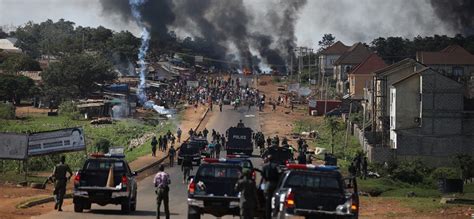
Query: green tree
466	164
19	62
14	88
327	40
333	125
76	76
3	34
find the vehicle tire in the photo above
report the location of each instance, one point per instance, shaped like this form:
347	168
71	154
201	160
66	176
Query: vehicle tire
126	206
193	213
134	205
87	205
78	207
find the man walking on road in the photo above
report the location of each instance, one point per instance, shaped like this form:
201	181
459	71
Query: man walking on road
60	179
186	167
162	181
154	142
171	155
248	196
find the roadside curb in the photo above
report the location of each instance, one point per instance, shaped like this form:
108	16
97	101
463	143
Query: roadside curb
29	204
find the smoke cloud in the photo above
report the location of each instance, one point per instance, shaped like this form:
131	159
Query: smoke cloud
457	13
226	24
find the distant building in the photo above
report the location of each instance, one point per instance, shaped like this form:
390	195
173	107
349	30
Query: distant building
8	45
344	64
454	62
328	56
361	76
34	75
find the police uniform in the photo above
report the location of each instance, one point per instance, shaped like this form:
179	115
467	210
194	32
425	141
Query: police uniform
248	196
59	174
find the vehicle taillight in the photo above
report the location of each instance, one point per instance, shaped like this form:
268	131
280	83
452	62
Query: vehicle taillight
290	200
192	187
353	207
77	179
254	175
124	181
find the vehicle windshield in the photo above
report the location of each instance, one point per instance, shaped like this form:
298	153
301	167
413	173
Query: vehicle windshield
99	164
189	149
312	181
230	172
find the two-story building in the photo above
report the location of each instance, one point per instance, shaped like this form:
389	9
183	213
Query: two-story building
360	77
328	56
427	118
344	64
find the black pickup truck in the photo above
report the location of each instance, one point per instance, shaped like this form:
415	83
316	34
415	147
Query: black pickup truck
212	190
312	191
90	184
192	150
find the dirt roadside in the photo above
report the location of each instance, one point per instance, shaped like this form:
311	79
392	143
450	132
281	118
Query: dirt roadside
11	195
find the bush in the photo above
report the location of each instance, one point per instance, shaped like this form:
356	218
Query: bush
445	172
69	109
102	145
412	172
7	111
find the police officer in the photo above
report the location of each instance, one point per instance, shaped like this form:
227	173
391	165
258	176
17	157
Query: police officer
59	175
186	167
248	194
154	142
270	178
172	154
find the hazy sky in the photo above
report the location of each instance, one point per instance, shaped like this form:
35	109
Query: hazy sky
349	20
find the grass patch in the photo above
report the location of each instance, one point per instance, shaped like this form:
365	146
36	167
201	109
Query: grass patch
120	133
14	177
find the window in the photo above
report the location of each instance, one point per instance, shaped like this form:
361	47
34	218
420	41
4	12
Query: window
458	71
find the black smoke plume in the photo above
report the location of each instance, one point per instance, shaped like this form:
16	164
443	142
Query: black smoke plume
459	14
223	23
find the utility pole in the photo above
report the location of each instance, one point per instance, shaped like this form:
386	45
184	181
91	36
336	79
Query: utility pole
348	124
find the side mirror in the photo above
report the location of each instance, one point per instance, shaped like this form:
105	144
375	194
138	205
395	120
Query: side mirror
134	173
190	178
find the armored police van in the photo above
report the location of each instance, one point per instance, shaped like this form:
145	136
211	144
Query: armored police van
239	140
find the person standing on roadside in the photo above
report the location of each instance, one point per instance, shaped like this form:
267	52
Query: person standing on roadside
160	143
60	182
248	194
205	132
154	142
171	155
162	181
178	134
364	168
220	106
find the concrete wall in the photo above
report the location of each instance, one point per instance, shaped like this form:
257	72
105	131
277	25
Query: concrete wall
407	106
467	80
442	105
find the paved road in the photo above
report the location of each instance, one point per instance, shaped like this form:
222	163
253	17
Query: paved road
146	206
